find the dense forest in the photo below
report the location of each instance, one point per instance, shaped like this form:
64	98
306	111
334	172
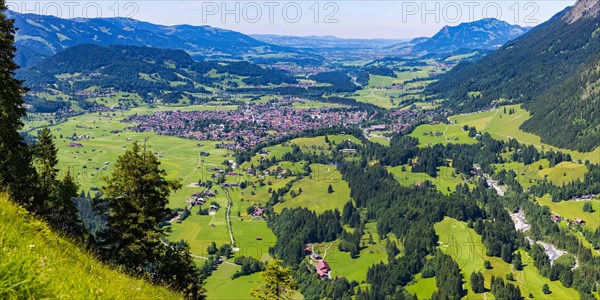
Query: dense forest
552	69
122	68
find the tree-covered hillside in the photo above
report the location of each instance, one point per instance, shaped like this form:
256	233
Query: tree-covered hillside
553	69
89	70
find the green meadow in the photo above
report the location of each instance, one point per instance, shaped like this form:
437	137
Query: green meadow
179	157
314	195
504	126
466	248
314	143
564	172
200	231
574	209
422	287
355	269
381	140
220	285
445	182
441	134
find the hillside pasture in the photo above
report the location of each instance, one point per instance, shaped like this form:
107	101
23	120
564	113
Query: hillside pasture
466	248
314	195
503	126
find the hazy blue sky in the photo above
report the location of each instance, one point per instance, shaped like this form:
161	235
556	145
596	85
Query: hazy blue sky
348	18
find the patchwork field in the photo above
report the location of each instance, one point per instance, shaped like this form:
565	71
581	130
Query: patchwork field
504	126
466	248
105	139
200	231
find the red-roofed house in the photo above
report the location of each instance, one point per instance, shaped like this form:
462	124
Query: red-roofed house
323	268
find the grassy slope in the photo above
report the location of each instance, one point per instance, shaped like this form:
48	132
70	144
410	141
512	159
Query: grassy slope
38	263
445	180
356	269
466	248
314	194
450	134
422	287
503	126
574	209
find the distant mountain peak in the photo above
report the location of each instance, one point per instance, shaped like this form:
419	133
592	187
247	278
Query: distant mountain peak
486	34
583	9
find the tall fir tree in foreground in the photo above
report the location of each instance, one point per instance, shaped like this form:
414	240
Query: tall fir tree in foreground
136	198
55	199
16	173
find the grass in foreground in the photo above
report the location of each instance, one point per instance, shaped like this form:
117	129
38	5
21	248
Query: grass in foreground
38	263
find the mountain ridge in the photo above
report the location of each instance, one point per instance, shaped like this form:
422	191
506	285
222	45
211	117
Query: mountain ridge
545	69
484	34
40	36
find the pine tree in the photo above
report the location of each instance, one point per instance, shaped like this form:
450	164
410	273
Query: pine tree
546	289
477	282
278	280
16	173
517	262
136	197
45	158
62	209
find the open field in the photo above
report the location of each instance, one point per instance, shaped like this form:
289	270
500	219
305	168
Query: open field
246	233
200	231
314	194
442	134
355	269
466	248
445	182
106	141
422	287
381	140
274	151
574	209
503	126
220	286
564	172
314	143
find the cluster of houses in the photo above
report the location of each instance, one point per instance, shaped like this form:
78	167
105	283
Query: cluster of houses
94	93
256	123
584	197
403	120
557	219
